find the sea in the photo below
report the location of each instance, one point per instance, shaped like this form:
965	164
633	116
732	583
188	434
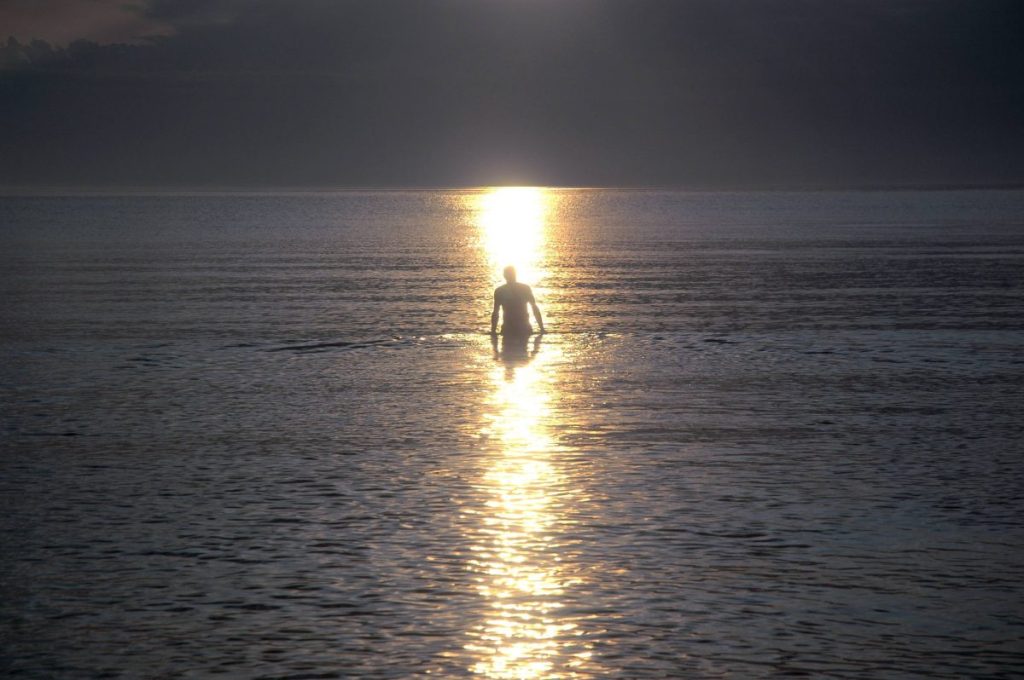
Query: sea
269	435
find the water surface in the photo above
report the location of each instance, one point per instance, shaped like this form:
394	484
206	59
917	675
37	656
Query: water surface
267	436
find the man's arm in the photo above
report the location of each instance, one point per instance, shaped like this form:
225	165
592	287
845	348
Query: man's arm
494	315
536	315
536	312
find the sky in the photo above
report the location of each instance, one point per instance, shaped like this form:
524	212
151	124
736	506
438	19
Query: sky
428	93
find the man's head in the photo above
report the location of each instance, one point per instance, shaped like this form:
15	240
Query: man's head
510	274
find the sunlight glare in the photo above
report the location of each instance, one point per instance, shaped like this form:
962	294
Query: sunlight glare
512	220
521	554
519	558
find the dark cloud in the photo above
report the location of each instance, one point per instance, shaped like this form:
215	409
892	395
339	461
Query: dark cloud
186	13
561	91
64	21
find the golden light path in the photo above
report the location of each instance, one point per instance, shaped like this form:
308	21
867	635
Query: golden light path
518	553
512	226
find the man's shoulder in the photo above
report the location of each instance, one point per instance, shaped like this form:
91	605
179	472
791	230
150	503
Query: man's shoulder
512	287
514	290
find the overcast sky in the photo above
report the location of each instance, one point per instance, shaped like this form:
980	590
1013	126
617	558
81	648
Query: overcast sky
703	93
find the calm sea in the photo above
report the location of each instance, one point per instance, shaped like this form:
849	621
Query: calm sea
267	435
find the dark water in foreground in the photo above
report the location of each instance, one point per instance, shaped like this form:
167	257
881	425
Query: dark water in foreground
265	436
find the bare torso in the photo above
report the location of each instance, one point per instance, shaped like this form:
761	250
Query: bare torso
514	299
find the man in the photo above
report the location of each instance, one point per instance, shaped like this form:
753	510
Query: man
512	299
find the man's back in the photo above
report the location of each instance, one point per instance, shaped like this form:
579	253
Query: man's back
512	299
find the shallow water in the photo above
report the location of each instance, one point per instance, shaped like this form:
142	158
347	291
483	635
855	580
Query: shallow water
267	435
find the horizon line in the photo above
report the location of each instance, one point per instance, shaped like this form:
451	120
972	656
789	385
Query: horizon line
173	189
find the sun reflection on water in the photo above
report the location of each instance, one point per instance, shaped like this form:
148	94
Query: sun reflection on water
512	224
521	559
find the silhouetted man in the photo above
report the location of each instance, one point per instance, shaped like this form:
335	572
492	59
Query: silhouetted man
512	299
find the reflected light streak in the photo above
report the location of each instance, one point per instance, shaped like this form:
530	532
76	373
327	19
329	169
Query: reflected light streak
519	554
517	557
512	224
